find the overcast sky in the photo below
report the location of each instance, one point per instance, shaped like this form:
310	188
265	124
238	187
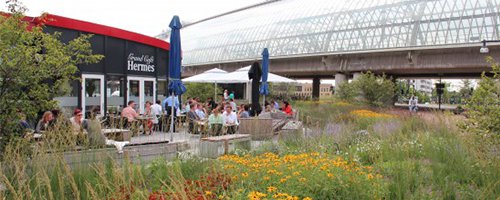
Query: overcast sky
148	17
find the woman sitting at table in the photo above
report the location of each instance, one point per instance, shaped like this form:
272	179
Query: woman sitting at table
216	122
287	108
43	124
148	113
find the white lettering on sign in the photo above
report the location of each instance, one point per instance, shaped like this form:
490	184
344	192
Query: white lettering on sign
142	63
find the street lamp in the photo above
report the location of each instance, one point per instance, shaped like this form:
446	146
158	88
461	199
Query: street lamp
484	48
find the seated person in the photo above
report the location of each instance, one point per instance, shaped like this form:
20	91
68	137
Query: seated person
129	112
230	120
216	122
244	114
77	122
233	105
194	119
200	111
43	124
287	108
95	136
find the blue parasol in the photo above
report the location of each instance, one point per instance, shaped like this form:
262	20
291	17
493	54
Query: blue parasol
175	85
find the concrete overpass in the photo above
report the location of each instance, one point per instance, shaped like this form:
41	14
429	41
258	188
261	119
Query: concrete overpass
446	62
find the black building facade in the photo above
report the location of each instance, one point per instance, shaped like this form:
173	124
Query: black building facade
134	67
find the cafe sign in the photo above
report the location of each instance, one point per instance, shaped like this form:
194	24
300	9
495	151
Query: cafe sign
140	63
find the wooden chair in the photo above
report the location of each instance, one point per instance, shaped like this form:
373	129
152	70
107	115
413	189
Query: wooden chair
216	130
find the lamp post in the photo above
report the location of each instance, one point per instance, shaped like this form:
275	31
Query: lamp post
484	49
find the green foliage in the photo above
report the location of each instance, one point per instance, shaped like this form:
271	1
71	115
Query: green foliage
202	90
346	91
373	90
484	105
33	67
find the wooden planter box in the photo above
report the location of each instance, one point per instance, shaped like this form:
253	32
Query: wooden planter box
258	129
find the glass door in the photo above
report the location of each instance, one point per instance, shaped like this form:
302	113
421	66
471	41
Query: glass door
92	93
141	90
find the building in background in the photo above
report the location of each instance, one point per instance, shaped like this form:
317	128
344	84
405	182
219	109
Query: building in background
422	85
301	90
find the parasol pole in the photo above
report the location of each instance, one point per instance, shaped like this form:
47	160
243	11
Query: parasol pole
172	121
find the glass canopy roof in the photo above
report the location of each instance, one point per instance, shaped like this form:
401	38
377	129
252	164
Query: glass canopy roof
300	27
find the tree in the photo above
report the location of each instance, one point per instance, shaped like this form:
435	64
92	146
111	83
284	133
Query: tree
484	105
465	91
33	67
374	90
201	90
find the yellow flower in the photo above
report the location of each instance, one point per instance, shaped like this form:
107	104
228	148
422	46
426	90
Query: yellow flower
282	180
296	173
307	198
266	178
370	176
329	175
254	195
302	179
207	193
271	189
244	174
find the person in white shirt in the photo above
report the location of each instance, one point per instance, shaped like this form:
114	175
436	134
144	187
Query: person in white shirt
226	95
230	120
156	111
233	105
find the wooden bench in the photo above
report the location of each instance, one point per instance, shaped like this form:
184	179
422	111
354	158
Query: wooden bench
117	134
210	146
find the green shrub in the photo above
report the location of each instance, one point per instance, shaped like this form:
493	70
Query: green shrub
483	108
202	90
346	91
369	88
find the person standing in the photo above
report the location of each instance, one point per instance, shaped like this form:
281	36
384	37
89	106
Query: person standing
413	104
167	104
231	96
156	112
226	95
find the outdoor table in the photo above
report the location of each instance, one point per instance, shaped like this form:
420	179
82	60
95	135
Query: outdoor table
117	134
144	121
181	118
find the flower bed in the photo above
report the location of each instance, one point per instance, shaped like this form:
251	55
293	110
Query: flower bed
370	114
301	176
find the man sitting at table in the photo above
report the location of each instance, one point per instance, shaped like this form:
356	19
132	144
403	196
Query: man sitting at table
156	111
129	112
230	120
194	119
215	122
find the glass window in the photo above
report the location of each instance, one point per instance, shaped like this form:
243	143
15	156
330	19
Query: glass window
115	90
69	101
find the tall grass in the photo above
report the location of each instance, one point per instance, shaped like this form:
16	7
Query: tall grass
421	156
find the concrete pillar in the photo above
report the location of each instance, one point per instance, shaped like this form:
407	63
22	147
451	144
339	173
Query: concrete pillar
248	92
316	87
339	79
356	75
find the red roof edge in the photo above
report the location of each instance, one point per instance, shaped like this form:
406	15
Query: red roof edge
74	24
